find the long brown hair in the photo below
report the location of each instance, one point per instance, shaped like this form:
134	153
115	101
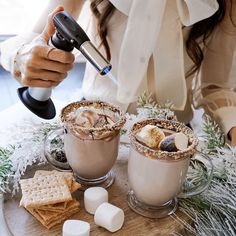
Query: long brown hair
103	18
198	33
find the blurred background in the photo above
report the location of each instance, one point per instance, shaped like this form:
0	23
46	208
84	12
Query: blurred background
15	17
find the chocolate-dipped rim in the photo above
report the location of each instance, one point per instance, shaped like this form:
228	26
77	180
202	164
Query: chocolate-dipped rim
159	154
95	133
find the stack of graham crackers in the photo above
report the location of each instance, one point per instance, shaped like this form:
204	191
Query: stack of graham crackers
47	196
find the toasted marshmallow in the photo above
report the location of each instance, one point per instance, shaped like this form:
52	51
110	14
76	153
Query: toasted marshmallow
150	135
87	118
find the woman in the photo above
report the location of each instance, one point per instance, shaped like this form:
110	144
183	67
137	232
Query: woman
163	47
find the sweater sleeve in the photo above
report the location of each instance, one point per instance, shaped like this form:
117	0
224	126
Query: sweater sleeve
216	83
10	47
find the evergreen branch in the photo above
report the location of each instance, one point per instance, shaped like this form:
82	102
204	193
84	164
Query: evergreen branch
15	158
146	100
213	135
5	167
149	108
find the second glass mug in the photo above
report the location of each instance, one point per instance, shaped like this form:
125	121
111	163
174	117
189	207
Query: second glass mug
156	177
90	152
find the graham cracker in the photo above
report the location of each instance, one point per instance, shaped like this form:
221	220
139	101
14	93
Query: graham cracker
47	215
44	190
47	196
57	207
67	175
63	217
53	221
75	186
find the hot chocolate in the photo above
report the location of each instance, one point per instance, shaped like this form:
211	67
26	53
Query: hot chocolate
157	167
92	132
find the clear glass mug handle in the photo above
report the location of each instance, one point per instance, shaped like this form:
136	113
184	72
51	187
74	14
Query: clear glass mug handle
54	145
199	175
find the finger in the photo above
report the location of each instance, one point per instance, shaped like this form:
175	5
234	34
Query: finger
53	54
45	75
57	66
37	83
43	64
49	29
61	56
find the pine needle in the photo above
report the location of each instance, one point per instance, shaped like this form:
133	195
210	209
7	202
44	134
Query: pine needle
214	137
5	167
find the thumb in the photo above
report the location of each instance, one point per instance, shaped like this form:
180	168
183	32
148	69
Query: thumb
49	29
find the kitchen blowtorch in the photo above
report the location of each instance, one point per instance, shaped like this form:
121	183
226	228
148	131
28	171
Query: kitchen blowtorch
68	35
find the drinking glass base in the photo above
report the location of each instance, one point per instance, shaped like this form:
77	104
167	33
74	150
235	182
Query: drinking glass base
105	181
151	211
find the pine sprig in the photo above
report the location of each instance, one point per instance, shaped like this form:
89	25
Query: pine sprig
5	167
151	109
208	218
214	211
213	135
146	100
27	149
43	130
147	108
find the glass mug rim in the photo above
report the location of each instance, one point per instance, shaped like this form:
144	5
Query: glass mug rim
159	155
95	104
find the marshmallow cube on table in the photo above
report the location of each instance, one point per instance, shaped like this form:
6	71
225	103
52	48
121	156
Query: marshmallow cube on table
109	217
94	197
75	228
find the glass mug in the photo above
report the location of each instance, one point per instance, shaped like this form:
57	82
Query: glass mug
156	178
90	151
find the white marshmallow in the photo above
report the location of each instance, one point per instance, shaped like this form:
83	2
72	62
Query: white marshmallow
75	228
93	197
109	217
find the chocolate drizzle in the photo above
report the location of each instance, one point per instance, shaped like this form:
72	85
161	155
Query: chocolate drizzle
98	130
